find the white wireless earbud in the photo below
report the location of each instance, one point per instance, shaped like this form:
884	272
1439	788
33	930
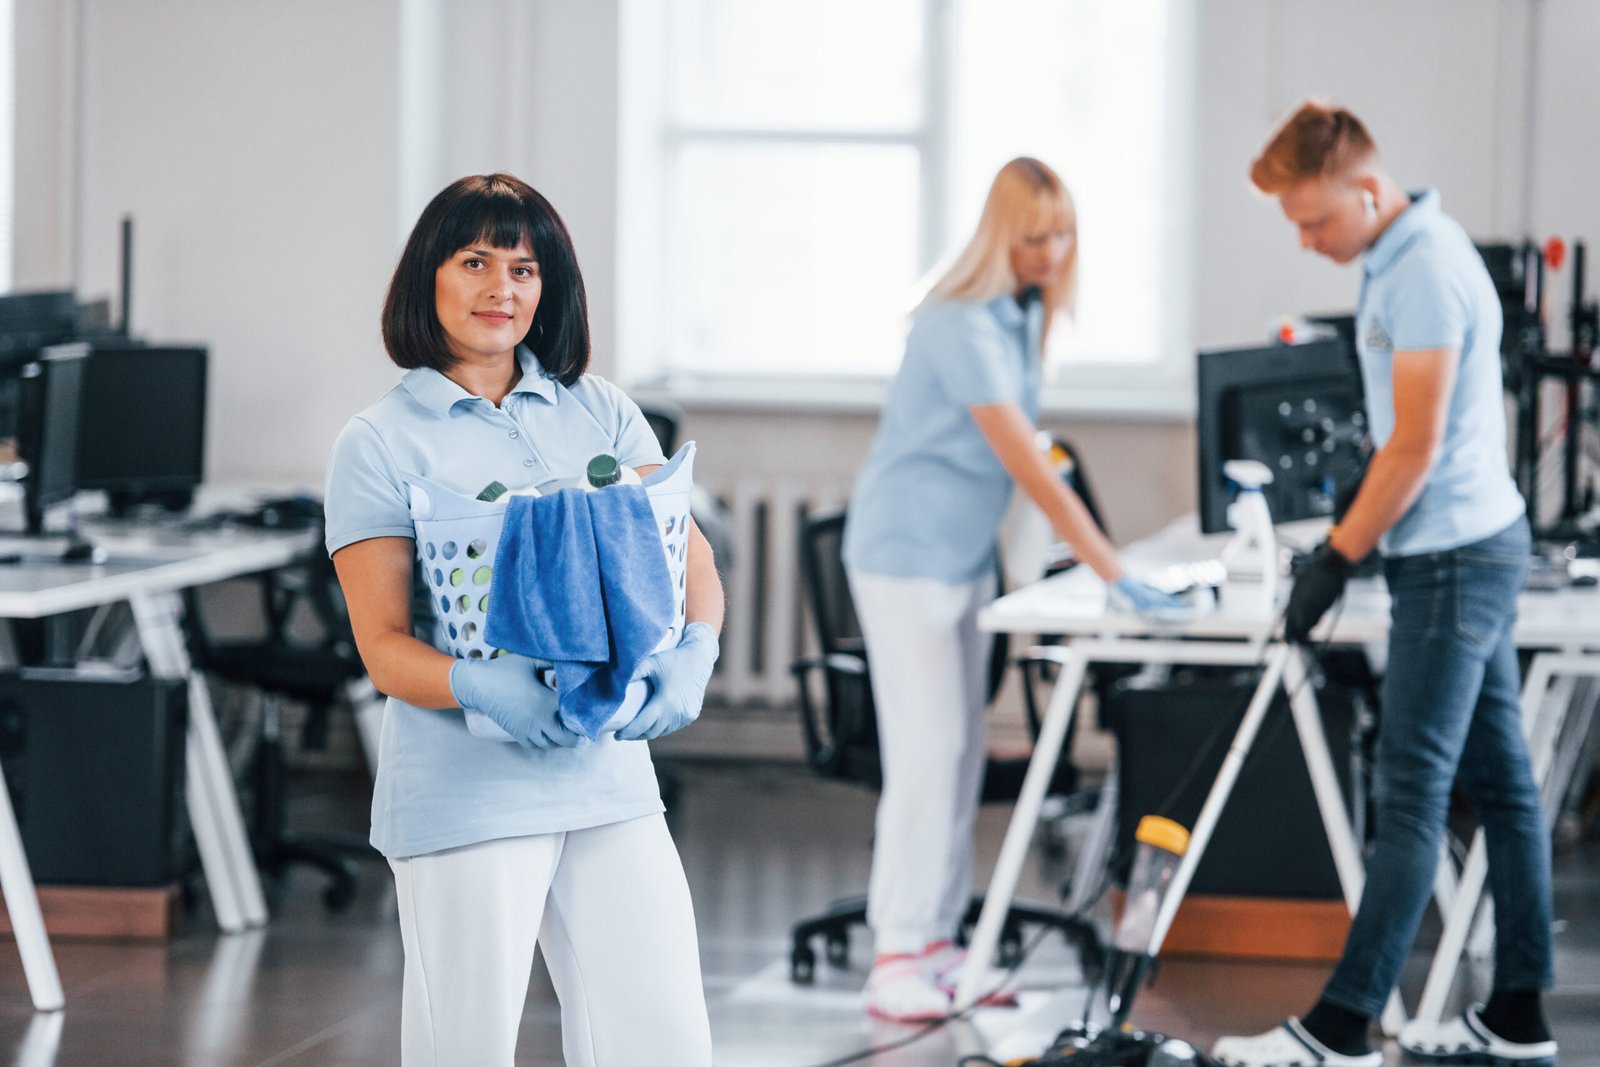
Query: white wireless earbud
1371	203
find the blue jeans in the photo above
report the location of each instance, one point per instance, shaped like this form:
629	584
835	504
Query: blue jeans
1451	712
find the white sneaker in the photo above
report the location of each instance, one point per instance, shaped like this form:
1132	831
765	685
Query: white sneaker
1287	1046
903	991
1464	1039
945	963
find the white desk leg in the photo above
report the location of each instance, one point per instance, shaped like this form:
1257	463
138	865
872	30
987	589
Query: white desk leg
1014	850
1324	779
1330	803
42	1042
1445	883
1542	716
213	806
1458	923
22	905
1217	798
1549	759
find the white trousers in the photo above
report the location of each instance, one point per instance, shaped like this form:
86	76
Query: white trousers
929	668
609	908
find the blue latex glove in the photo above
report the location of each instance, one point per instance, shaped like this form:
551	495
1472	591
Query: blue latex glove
678	678
1146	600
508	691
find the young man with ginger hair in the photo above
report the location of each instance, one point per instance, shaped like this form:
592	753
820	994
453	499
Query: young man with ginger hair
1439	503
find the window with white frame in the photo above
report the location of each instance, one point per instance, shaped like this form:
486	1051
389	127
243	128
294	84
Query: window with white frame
790	171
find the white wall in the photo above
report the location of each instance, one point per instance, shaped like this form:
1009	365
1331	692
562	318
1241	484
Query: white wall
254	146
1564	180
260	149
47	132
1439	84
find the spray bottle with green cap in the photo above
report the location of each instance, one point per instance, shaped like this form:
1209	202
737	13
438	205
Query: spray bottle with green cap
604	470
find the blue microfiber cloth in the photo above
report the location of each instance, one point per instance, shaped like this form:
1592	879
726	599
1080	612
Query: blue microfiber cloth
580	580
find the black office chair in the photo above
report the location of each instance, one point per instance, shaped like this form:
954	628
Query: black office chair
665	420
317	673
841	741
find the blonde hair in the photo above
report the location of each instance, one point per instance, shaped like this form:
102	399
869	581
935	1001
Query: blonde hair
1317	140
1026	198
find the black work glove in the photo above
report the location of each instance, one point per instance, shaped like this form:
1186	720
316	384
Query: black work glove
1319	583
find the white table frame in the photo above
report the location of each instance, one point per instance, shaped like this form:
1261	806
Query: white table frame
1564	627
1283	668
150	578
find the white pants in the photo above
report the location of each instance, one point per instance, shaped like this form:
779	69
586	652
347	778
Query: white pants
929	676
610	909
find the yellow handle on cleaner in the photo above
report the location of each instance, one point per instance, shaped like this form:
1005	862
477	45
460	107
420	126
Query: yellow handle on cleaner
1162	833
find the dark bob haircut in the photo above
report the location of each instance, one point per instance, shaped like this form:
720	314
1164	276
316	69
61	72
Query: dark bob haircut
503	211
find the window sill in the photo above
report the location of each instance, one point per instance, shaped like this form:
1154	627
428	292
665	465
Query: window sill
865	396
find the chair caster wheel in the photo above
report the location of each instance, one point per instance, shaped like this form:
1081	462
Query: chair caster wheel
838	952
802	965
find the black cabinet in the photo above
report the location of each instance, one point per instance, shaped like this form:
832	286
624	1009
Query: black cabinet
1270	841
95	771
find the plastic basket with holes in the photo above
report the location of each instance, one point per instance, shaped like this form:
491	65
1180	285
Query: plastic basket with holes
456	540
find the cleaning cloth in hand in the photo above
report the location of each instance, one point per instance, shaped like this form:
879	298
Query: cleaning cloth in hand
580	580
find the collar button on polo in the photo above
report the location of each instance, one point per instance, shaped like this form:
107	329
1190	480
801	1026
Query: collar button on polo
513	435
527	463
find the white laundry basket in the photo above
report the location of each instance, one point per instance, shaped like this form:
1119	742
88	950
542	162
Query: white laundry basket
457	539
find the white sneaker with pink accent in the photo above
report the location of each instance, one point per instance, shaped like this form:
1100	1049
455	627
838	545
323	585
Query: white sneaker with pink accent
945	961
903	990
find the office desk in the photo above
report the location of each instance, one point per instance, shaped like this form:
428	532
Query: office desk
1562	628
148	569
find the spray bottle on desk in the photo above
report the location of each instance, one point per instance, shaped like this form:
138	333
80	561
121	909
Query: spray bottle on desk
1252	554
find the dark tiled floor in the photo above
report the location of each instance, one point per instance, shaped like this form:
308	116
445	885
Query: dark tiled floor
762	844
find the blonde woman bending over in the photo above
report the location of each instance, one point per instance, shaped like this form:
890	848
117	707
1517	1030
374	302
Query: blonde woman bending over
958	429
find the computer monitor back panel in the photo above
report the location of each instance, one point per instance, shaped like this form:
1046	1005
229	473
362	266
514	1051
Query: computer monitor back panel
143	422
1299	409
49	427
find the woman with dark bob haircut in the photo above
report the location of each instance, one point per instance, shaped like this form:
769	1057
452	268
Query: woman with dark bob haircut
555	841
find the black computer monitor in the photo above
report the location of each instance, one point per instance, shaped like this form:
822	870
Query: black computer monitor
143	423
48	427
1297	408
30	322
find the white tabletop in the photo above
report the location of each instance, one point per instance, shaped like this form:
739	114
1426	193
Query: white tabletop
1074	603
157	559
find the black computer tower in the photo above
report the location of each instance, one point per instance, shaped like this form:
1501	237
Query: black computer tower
1269	842
95	772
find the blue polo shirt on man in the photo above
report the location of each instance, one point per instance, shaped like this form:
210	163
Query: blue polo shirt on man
437	786
929	499
1425	286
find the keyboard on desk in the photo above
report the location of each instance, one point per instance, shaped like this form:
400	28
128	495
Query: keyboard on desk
47	548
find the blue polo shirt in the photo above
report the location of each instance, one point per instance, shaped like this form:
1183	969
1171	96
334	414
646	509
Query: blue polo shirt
929	499
1425	286
437	786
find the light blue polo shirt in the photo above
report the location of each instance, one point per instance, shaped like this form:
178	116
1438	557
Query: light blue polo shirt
1425	286
437	786
929	499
